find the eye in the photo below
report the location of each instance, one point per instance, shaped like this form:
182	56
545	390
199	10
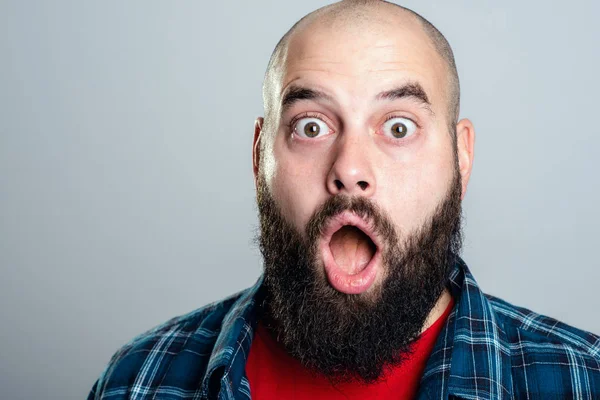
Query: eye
399	127
310	127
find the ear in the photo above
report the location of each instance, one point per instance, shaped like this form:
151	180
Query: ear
258	124
465	143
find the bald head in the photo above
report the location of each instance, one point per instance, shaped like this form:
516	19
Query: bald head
361	14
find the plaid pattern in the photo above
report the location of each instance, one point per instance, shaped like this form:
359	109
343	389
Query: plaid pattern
488	349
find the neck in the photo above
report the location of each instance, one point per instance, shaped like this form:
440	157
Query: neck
438	309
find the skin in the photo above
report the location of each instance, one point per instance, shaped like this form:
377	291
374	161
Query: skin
352	63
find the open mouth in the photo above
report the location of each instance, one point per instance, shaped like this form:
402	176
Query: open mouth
350	251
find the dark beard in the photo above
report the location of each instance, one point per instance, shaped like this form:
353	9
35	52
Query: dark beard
354	337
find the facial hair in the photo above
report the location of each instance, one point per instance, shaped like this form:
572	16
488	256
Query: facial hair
354	337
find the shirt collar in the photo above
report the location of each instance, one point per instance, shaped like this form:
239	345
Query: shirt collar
471	352
226	365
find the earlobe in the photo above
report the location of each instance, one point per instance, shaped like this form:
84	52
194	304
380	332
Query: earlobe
258	125
465	143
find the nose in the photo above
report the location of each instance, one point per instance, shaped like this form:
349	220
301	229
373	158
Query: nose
351	172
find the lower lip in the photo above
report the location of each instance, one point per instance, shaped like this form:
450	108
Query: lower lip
340	279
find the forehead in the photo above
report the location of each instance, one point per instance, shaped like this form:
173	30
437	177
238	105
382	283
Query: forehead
359	58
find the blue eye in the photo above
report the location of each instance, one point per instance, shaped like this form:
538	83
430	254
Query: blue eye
399	127
310	127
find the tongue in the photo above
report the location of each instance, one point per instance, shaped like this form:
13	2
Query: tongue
352	249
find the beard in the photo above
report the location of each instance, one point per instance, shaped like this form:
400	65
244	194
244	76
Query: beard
354	337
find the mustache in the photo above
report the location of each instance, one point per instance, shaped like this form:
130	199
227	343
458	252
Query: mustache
363	207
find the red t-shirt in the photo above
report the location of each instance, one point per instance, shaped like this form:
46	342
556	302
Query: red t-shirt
273	374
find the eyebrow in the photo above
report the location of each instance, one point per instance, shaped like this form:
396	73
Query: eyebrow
413	90
295	94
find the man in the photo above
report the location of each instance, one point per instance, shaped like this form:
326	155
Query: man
360	166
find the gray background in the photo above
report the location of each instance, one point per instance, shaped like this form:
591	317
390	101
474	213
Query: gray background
126	192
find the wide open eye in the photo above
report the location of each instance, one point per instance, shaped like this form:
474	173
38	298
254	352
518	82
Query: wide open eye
399	127
310	128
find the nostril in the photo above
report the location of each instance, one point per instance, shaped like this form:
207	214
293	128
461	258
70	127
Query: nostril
363	185
338	184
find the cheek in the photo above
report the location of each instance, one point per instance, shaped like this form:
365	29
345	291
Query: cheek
297	184
418	185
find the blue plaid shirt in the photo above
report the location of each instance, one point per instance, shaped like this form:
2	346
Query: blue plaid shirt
488	349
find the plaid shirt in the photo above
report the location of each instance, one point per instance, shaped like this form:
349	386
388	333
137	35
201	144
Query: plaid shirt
488	349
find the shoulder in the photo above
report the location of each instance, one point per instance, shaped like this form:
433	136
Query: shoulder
540	328
547	355
180	348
